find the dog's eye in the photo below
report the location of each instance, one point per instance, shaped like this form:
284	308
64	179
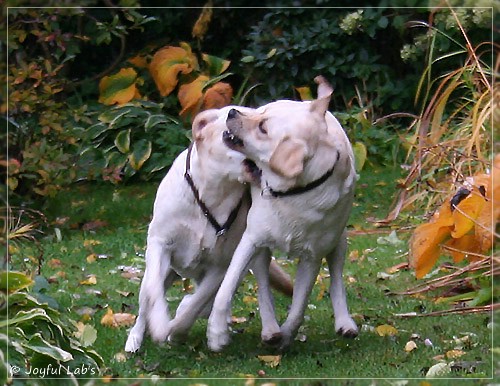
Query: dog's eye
262	128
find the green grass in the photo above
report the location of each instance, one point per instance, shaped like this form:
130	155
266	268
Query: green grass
120	243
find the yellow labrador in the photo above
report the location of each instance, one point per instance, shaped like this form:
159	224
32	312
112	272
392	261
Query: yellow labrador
301	207
199	216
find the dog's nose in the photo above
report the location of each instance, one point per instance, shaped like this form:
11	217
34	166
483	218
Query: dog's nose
233	113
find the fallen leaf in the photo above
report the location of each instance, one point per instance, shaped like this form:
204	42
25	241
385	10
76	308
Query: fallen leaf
91	258
397	268
270	360
91	280
454	354
120	357
438	370
92	225
386	330
86	334
54	263
392	239
249	299
410	346
236	319
110	319
91	243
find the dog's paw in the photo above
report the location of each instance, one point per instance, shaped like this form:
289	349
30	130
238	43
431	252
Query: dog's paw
133	343
347	328
218	338
273	340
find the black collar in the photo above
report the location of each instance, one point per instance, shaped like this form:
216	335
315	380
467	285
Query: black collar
301	189
219	229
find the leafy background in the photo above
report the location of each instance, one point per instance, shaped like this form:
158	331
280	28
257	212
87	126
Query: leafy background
98	104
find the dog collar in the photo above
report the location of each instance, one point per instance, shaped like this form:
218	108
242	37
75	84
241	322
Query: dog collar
219	229
268	191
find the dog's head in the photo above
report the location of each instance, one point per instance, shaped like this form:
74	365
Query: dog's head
207	129
282	135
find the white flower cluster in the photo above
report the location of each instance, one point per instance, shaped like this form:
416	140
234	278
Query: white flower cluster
352	22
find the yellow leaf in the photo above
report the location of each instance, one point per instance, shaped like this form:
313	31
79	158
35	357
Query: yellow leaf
386	330
465	213
167	63
91	258
425	246
191	95
454	354
88	243
249	299
108	319
119	88
270	360
91	280
460	247
305	93
200	28
217	96
139	61
410	346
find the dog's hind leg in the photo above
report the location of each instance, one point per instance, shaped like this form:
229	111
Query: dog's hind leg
271	333
157	277
307	271
344	325
150	289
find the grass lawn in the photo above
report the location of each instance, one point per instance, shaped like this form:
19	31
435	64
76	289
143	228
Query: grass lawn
103	233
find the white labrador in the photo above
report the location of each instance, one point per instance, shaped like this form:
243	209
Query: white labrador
199	216
301	207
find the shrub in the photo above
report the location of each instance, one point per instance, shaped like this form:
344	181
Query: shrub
134	137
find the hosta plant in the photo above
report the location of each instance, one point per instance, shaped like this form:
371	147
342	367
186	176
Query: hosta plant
132	137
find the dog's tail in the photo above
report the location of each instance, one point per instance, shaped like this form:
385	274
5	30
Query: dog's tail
279	279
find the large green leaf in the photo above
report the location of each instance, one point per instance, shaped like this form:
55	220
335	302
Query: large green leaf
40	345
154	120
122	141
141	153
13	281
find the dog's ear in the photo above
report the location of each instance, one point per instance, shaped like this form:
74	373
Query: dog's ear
288	158
201	120
325	91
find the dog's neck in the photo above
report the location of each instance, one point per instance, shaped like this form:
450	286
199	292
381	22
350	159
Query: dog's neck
220	193
320	165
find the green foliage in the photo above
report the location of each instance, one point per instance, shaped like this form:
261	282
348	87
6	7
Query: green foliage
135	137
289	47
382	144
39	339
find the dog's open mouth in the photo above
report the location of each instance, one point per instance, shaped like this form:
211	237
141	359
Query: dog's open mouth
252	171
231	140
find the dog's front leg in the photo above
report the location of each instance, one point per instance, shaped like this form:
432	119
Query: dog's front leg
307	271
344	325
185	317
217	332
271	333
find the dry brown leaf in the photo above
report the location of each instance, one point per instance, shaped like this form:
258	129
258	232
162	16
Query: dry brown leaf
110	319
